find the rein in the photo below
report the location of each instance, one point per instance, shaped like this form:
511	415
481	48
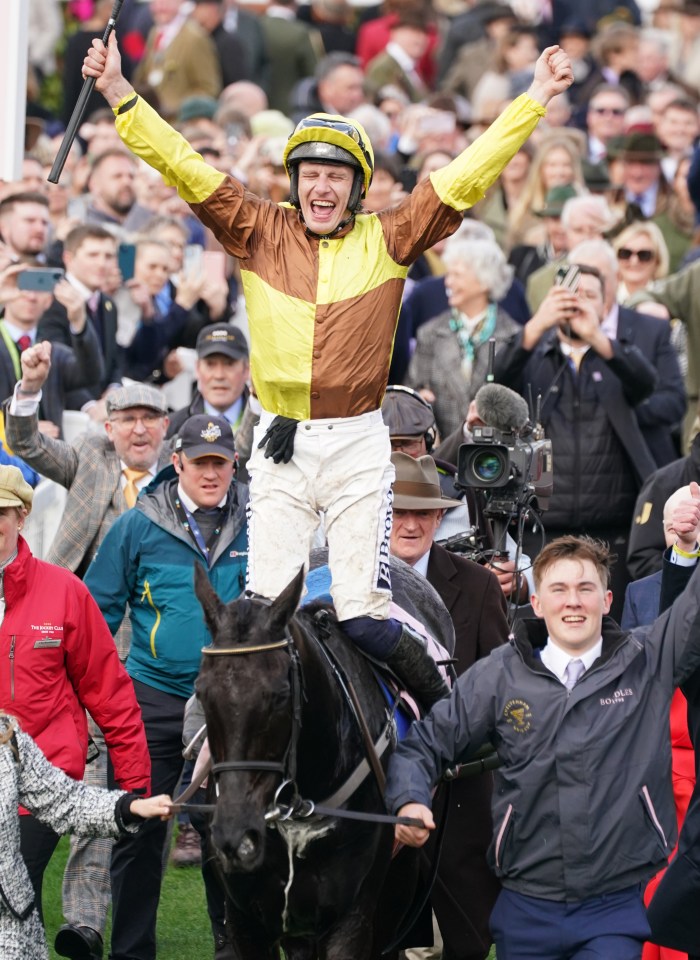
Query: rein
297	807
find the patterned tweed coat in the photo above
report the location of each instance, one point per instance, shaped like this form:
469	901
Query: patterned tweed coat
27	778
91	471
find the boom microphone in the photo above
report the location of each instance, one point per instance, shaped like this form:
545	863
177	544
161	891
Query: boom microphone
501	408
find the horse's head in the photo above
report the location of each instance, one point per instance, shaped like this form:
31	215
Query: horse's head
245	687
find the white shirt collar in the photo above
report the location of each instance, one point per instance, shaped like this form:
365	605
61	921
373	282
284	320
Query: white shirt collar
597	150
17	332
189	503
570	350
557	660
144	481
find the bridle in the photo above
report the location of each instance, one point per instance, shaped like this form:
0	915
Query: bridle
286	768
296	807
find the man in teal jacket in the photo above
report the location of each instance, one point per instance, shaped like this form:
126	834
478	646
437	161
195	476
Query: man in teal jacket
195	514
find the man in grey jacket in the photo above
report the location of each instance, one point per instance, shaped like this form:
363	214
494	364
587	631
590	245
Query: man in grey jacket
578	712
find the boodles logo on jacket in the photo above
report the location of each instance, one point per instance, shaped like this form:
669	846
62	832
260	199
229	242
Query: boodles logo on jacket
518	714
211	433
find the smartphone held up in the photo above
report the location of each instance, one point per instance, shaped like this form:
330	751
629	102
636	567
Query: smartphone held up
569	277
39	279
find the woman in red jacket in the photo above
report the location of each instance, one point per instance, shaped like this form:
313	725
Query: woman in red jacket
57	660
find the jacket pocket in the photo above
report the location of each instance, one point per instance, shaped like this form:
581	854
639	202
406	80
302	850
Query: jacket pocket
502	836
147	597
651	813
37	671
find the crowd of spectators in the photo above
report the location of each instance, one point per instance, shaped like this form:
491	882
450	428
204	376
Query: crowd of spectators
143	297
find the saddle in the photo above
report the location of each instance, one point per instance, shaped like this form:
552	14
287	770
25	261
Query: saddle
318	583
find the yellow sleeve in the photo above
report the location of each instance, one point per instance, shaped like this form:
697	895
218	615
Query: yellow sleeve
149	136
464	182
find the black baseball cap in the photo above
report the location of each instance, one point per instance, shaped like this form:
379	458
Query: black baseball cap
205	436
222	338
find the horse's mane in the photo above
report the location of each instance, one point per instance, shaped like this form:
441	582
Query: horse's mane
318	606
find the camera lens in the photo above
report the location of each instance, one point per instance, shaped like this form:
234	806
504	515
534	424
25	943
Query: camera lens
488	466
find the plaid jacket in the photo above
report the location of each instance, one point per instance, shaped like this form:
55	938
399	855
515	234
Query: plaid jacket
90	470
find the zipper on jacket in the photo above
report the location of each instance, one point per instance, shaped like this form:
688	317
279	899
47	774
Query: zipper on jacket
501	833
577	447
146	595
652	813
12	666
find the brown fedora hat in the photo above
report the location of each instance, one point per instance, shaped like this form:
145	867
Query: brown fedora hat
417	484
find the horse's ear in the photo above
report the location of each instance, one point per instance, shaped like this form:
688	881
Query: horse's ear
283	608
208	597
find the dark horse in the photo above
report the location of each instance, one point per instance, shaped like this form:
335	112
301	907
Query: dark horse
273	686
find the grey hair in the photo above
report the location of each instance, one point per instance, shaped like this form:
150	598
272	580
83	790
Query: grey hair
470	229
594	204
660	39
485	258
595	249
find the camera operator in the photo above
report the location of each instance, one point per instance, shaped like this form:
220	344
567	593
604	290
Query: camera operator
412	430
589	386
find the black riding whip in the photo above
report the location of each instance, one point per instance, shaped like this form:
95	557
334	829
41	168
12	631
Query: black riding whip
76	117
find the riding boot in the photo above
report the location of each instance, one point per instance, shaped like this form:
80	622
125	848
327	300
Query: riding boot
415	668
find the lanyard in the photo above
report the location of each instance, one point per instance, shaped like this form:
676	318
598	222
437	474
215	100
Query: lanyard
192	527
12	349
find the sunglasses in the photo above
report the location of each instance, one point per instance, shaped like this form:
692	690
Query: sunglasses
612	111
644	256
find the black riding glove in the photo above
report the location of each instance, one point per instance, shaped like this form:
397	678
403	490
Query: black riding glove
279	439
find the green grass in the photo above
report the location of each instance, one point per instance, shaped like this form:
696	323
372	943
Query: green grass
183	925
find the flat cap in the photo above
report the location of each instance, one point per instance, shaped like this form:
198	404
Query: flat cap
136	395
14	489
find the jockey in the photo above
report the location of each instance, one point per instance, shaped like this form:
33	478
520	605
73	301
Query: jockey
323	284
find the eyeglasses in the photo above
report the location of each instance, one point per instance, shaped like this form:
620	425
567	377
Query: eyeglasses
644	256
149	420
412	446
610	111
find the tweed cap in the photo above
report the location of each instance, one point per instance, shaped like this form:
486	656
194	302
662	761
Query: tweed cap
136	395
14	489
